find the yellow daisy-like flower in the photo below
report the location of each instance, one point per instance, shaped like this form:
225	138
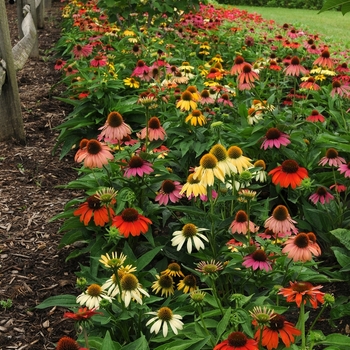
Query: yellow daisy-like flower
217	58
193	187
128	32
238	160
224	163
320	77
113	260
196	117
173	270
188	284
132	82
187	101
186	68
163	284
208	170
211	83
205	45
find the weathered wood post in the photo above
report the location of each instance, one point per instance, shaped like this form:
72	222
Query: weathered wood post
11	122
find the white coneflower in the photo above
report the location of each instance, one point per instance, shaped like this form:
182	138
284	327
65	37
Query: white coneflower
92	296
131	289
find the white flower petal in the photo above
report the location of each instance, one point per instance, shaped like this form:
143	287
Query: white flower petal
165	329
189	246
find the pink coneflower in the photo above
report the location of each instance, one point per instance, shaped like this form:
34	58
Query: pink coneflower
295	68
339	89
169	191
155	130
247	75
225	100
94	154
324	60
99	61
137	167
275	138
310	84
321	195
280	222
345	169
141	69
59	64
301	248
240	224
239	63
257	260
313	49
339	187
332	158
82	51
205	97
315	116
70	70
342	68
114	130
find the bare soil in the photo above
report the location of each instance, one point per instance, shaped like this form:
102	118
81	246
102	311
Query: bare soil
32	268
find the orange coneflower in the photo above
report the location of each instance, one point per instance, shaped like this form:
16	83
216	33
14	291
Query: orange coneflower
154	129
280	222
131	222
289	173
324	60
315	116
295	68
237	341
241	224
237	68
67	343
92	207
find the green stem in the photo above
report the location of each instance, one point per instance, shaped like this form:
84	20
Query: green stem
316	319
204	326
302	325
86	338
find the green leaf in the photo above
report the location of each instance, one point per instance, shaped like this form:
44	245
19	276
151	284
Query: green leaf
337	339
64	300
108	343
145	259
139	344
343	235
330	4
222	325
195	344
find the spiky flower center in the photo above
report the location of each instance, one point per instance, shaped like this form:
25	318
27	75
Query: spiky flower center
129	282
314	112
168	186
239	60
277	322
259	255
190	281
67	343
290	166
93	147
165	281
135	162
325	54
205	94
321	191
302	286
130	215
114	119
295	61
237	339
78	47
93	203
94	290
192	89
165	314
336	84
154	123
234	152
83	143
241	216
196	113
210	268
301	240
260	164
191	180
187	96
140	63
197	296
311	80
246	69
174	267
189	230
273	134
331	153
219	152
208	161
280	213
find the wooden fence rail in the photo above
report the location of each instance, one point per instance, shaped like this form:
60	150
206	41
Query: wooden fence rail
30	17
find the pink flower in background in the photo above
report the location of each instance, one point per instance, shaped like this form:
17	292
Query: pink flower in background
275	138
141	69
155	130
82	51
332	158
240	224
114	130
324	60
99	61
257	261
138	167
345	169
321	195
169	191
295	68
315	116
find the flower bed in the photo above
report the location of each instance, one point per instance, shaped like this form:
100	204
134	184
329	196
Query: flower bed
215	160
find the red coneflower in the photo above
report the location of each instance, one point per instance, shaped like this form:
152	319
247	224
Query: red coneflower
131	222
295	68
310	84
114	129
92	207
59	64
339	89
237	341
301	248
315	116
82	314
247	76
324	60
67	343
302	292
140	69
289	173
82	51
93	153
99	61
274	66
278	328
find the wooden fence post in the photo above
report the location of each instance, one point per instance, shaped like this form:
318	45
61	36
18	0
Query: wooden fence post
35	50
11	122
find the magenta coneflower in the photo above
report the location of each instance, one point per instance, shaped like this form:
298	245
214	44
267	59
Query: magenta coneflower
114	130
82	51
301	247
295	68
205	97
241	225
332	158
345	169
324	60
169	191
155	130
137	167
280	222
315	116
225	100
141	69
321	195
98	61
310	84
257	261
275	138
237	68
339	89
94	154
313	49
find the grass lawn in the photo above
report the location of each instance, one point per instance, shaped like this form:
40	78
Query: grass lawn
331	25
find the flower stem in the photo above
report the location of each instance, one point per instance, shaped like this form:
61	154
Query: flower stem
302	325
